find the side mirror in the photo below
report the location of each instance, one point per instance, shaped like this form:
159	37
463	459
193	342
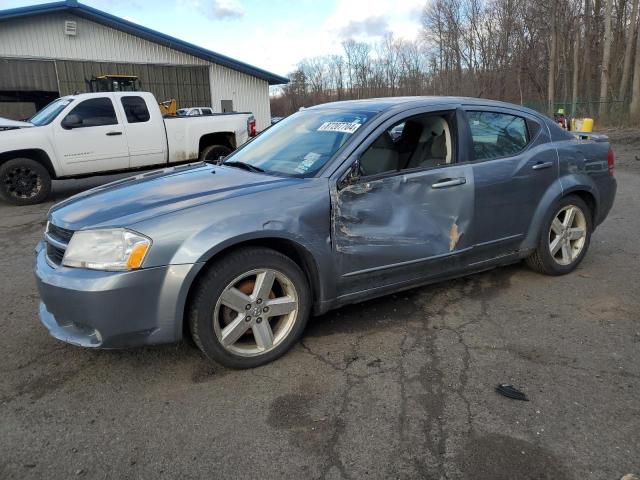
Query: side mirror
352	176
71	121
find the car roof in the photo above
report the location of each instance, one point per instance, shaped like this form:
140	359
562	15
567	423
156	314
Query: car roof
387	103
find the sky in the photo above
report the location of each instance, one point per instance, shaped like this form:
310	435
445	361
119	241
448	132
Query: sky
273	35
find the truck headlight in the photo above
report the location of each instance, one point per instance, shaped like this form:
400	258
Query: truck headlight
114	249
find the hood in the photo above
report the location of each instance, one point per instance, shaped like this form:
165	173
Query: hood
6	124
134	199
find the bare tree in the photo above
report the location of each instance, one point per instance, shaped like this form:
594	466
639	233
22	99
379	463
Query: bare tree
628	50
541	53
606	60
635	89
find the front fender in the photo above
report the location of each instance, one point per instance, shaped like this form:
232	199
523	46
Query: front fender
33	138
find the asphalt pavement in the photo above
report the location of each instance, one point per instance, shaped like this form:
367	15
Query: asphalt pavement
399	387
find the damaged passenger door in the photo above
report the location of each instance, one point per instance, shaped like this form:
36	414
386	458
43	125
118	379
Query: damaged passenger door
404	209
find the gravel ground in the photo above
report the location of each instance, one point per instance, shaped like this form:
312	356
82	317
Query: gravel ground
399	387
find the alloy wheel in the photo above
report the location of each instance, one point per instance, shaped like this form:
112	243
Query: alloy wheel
567	235
255	312
22	182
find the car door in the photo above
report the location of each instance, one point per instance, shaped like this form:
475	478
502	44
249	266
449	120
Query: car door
514	164
90	138
145	132
402	212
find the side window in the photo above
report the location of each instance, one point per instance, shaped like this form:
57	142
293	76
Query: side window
207	111
497	135
94	112
421	141
135	108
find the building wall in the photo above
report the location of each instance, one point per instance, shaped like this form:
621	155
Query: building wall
249	94
43	37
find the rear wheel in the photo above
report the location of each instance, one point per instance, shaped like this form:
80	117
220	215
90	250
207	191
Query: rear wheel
249	308
24	181
212	153
564	239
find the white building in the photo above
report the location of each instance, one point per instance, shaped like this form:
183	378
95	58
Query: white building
55	49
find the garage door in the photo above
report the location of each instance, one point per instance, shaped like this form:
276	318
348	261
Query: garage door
28	75
189	85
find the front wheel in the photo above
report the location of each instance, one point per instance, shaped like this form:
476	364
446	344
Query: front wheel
24	181
564	239
249	308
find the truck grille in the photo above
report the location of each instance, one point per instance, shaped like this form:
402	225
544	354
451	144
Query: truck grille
56	239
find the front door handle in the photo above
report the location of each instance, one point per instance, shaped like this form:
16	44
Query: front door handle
111	134
541	165
449	182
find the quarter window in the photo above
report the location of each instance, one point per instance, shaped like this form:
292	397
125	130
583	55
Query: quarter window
135	109
95	112
497	135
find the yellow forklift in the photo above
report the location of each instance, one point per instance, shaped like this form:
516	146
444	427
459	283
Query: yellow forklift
127	83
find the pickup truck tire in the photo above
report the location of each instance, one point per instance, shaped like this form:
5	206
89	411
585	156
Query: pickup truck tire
212	153
249	308
24	181
564	239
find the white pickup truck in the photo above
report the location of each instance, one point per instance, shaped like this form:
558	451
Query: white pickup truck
100	133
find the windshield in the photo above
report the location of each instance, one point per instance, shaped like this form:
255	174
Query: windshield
301	144
51	111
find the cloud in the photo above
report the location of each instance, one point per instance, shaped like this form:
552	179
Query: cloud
216	9
400	17
377	26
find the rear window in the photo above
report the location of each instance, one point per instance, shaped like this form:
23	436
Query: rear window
135	108
497	135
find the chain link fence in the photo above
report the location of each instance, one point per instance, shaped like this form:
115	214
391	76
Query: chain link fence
616	111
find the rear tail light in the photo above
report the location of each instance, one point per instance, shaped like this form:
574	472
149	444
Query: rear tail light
610	161
251	126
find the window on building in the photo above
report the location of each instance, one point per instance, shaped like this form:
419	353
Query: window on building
497	135
226	106
135	108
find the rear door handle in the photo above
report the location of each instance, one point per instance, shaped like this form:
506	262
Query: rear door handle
111	134
541	165
449	182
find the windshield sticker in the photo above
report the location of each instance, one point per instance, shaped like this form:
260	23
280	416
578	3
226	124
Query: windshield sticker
344	127
309	159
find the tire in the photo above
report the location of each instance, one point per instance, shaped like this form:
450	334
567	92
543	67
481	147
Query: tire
24	181
563	261
212	153
246	326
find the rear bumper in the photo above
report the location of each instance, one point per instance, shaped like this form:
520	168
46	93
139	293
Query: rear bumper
112	309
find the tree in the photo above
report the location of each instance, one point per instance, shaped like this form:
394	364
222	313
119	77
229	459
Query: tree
635	89
553	59
606	60
626	68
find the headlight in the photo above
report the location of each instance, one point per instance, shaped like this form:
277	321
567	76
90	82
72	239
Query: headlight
114	249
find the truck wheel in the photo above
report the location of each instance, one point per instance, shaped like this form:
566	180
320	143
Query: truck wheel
250	307
212	153
564	239
24	181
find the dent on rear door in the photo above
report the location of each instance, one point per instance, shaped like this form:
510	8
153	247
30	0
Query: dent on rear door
402	219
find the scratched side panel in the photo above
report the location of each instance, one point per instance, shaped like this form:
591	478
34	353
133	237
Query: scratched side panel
401	220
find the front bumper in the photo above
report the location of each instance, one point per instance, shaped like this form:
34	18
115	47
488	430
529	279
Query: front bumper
98	309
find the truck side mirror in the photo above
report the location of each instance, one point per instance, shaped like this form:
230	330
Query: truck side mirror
71	121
